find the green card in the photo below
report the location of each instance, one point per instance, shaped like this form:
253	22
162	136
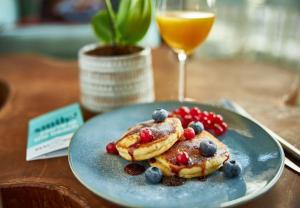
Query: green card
49	135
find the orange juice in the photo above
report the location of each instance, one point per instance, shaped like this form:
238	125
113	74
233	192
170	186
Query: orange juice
184	30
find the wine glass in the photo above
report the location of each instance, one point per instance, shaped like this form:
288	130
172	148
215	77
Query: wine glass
184	25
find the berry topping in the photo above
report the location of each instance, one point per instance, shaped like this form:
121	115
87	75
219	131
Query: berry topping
208	148
207	123
218	119
197	126
218	130
182	158
111	148
159	115
231	168
183	110
211	121
153	175
224	126
189	133
205	113
197	118
211	116
195	111
186	120
146	135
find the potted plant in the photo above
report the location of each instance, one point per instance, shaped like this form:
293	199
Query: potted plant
117	72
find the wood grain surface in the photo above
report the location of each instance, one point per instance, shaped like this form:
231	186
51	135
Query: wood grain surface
31	85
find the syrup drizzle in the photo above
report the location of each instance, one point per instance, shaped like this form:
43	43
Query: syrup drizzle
132	148
227	157
176	169
203	167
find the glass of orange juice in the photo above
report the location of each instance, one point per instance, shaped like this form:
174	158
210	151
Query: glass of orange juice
184	25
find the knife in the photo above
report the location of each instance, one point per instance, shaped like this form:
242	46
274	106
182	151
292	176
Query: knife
232	106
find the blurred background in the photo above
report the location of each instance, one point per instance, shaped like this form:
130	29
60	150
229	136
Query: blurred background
262	30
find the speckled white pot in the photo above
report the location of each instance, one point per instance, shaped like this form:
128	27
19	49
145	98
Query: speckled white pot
110	82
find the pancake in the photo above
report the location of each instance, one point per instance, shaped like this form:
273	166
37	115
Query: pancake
165	135
198	166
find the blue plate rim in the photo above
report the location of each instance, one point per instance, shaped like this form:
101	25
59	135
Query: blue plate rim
232	203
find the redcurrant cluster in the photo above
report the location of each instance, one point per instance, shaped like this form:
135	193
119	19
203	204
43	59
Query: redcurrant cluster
211	121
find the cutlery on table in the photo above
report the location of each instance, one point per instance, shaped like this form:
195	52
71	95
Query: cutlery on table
230	105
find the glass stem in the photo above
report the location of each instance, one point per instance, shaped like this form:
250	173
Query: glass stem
182	76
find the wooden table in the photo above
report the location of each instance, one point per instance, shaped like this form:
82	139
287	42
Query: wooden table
31	85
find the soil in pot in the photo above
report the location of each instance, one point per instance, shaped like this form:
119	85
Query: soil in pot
114	50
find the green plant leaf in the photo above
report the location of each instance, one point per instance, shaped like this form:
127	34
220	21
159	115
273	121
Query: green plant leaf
133	20
102	27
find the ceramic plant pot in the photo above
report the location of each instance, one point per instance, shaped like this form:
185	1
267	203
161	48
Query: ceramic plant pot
108	81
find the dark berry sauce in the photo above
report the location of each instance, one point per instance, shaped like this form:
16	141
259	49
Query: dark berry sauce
134	169
173	181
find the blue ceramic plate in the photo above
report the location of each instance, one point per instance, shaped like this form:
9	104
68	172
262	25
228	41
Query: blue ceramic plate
259	154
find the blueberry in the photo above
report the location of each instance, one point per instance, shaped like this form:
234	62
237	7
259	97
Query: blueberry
197	126
159	115
208	148
231	169
153	175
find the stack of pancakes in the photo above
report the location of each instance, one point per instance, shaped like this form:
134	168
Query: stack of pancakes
168	141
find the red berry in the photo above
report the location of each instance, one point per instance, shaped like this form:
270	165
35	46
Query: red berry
207	123
182	158
196	118
183	110
218	119
211	116
205	113
111	148
218	130
146	135
195	111
203	117
187	119
200	117
189	133
224	126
